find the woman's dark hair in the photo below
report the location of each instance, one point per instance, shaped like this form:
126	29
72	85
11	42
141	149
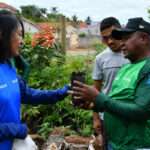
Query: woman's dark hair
22	27
6	12
108	22
8	23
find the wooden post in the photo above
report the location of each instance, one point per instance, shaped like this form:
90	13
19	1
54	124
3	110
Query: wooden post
63	33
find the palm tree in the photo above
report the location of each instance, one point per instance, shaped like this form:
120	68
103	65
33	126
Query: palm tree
88	20
75	20
54	10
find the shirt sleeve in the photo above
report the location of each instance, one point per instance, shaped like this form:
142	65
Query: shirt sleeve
12	130
35	96
138	109
97	73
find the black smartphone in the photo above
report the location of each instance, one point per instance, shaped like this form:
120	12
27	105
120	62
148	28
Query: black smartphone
78	76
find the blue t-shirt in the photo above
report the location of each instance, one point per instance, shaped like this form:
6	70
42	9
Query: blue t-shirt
9	100
13	92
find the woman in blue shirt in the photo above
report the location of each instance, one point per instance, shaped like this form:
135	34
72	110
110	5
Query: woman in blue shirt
13	89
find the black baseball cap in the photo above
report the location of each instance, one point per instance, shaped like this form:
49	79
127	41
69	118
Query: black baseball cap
133	25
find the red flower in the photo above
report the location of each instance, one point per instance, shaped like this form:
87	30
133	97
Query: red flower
44	38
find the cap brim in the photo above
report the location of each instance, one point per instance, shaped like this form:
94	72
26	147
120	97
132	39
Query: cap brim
122	32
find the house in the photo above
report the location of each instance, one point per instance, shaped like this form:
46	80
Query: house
7	7
92	29
29	26
91	34
72	37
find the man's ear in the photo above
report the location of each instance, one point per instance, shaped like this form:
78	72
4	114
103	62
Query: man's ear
145	37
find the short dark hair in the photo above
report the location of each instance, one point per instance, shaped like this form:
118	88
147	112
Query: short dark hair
8	23
108	22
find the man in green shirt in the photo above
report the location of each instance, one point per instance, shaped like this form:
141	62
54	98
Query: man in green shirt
127	108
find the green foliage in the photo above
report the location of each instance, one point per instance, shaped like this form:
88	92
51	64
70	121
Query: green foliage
148	12
36	14
75	21
54	17
74	18
88	20
33	12
98	46
82	35
50	71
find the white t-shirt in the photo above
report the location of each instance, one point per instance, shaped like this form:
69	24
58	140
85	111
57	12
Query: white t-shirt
106	67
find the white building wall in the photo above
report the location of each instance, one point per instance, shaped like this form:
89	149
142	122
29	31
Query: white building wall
29	28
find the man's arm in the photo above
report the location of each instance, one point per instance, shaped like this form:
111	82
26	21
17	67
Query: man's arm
98	84
97	123
97	76
138	109
34	96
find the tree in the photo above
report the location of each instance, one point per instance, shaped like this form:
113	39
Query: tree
54	16
88	20
75	20
54	10
33	12
43	10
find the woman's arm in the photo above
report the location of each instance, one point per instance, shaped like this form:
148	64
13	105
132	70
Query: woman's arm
35	96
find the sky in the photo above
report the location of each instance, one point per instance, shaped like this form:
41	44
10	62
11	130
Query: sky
96	9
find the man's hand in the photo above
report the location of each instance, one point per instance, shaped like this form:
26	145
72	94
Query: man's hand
85	92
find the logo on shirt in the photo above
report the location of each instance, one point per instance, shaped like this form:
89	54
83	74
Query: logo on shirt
14	81
2	86
148	81
127	79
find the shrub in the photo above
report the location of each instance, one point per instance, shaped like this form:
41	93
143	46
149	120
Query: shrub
98	46
50	71
82	35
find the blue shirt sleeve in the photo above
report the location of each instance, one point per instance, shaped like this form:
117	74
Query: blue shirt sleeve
35	96
12	130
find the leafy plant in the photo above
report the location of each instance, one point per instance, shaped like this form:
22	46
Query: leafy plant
82	35
48	71
98	46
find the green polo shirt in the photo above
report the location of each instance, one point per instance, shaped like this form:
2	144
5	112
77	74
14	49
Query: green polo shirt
127	107
124	84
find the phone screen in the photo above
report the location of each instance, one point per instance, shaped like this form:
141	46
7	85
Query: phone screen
78	76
